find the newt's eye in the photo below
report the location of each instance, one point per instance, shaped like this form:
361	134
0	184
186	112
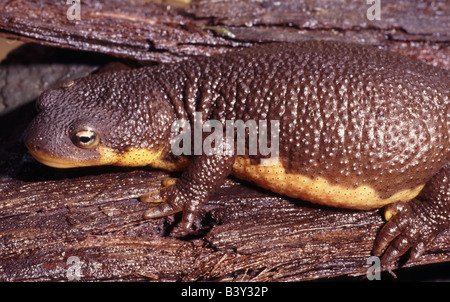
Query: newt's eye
85	138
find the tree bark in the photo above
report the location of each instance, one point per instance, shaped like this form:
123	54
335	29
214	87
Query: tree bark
244	233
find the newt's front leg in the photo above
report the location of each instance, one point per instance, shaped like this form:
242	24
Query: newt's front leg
192	190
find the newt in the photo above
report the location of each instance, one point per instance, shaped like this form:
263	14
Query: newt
359	128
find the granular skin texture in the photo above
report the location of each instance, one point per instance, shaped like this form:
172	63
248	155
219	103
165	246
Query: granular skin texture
359	127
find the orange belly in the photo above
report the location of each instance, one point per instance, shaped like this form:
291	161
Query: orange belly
317	190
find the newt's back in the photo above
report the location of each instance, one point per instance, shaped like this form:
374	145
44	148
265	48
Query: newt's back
359	127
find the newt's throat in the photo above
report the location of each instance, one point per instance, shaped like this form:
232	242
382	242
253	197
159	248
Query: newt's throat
55	162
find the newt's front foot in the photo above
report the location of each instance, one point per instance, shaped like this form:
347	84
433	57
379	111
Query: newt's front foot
174	199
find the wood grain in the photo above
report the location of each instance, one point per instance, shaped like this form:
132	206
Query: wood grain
148	31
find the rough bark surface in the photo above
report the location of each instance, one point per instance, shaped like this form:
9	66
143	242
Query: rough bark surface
175	30
244	233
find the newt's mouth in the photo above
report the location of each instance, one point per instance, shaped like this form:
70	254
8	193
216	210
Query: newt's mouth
103	156
55	162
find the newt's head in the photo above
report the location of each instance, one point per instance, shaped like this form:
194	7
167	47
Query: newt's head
105	119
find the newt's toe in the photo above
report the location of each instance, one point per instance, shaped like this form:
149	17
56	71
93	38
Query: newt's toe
169	196
162	210
154	196
169	181
392	209
162	194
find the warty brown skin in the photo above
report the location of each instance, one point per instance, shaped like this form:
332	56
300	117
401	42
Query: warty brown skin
349	114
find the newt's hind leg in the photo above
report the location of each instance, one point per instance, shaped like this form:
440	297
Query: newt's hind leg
416	223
